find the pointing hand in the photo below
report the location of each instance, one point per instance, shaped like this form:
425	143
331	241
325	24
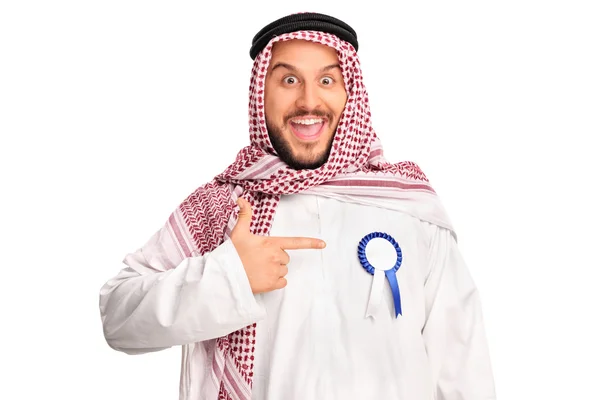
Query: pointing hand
264	257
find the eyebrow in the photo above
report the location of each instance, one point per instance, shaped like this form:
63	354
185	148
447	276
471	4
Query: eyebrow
294	69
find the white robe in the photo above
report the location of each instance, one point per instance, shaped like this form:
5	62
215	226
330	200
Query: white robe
313	338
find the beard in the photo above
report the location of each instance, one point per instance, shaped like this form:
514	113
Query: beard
311	159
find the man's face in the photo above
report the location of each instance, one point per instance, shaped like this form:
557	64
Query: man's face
304	100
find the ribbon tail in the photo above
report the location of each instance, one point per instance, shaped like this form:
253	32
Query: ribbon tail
376	293
391	277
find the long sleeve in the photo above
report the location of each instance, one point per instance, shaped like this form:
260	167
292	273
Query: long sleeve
148	307
454	332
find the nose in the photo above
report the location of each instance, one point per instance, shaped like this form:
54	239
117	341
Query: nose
308	98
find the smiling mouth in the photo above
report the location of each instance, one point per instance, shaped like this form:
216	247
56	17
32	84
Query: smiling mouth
307	128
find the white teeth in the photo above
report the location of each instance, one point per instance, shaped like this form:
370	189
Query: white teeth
308	121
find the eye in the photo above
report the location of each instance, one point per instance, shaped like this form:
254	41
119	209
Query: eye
290	80
327	80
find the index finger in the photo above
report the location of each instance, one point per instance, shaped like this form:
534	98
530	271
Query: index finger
295	243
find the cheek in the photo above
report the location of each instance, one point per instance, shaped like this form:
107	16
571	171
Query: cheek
270	103
270	106
276	110
338	104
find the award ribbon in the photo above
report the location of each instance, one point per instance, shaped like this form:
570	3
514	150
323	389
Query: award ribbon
379	272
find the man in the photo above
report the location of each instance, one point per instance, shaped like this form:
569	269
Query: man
311	268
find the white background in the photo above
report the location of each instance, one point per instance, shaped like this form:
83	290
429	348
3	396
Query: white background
112	112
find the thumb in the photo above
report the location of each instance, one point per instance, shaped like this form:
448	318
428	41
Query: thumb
244	216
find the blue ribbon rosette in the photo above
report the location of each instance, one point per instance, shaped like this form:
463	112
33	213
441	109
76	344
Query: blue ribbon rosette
377	262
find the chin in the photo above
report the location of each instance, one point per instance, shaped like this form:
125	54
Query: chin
305	160
299	154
